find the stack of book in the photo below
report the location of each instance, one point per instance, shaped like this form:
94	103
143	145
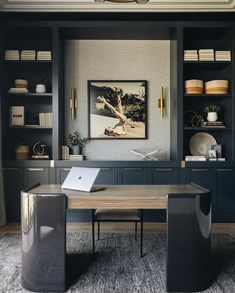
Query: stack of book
218	124
16	90
190	55
223	55
65	152
45	119
12	55
76	157
44	55
195	158
28	55
206	55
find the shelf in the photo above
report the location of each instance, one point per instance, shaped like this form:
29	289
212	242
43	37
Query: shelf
207	128
28	61
207	65
30	127
211	96
208	62
29	95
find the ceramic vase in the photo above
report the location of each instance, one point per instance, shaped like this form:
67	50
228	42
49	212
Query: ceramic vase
212	116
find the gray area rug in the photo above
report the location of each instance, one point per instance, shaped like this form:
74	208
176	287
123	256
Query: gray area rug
117	266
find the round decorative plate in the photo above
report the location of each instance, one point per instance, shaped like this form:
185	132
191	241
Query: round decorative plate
200	144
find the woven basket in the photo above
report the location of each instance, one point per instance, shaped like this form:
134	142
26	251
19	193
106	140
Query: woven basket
193	86
217	87
22	152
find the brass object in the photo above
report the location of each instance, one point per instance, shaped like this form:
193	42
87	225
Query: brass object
183	165
161	102
73	104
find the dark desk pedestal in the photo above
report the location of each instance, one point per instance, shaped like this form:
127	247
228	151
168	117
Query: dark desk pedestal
43	242
188	242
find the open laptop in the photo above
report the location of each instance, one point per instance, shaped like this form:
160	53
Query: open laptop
82	179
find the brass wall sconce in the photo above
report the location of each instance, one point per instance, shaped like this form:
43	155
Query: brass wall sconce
73	104
123	1
161	102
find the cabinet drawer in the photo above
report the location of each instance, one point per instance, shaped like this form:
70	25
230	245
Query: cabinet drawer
107	176
36	175
164	175
133	175
61	174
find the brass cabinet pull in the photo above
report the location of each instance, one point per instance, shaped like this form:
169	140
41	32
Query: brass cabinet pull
133	169
164	169
224	170
10	169
35	169
66	169
199	170
105	169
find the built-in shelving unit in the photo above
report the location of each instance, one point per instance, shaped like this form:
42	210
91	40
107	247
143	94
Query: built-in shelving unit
217	38
35	72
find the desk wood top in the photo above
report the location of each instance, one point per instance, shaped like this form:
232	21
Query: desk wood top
120	196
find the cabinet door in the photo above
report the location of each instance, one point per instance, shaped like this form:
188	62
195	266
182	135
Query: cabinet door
107	176
225	190
133	175
13	179
36	175
164	175
201	177
61	174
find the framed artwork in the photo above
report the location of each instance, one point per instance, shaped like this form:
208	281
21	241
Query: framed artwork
117	109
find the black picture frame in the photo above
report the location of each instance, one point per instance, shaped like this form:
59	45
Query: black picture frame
117	109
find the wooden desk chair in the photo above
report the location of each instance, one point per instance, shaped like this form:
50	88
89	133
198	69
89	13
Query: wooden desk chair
118	215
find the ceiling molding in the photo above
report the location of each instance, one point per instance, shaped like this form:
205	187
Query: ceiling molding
92	6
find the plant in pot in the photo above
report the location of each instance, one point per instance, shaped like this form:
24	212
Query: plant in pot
212	112
76	142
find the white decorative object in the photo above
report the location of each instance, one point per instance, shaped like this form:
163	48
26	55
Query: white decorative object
147	153
212	116
40	88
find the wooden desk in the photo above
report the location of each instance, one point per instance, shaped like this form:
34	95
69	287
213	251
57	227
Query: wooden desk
188	228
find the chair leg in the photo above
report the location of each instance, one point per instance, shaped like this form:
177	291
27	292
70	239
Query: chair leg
98	230
135	230
141	233
93	230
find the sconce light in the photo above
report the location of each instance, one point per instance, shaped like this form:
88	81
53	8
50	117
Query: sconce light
123	1
73	104
161	102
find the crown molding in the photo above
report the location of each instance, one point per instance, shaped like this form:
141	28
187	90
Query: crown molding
93	6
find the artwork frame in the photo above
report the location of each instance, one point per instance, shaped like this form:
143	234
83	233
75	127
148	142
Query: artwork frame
117	109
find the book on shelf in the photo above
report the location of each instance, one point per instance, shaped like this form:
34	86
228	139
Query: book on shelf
216	124
64	152
16	116
45	119
76	157
195	158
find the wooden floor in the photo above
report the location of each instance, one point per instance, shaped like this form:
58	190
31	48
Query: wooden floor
228	228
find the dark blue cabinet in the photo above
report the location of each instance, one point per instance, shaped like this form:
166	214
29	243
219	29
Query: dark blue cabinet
225	190
133	175
36	175
107	176
164	176
61	174
13	179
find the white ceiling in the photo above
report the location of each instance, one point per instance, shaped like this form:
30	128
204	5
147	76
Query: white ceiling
92	6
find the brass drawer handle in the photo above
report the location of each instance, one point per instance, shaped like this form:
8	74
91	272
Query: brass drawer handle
224	170
164	169
66	169
133	169
36	169
10	169
105	169
199	170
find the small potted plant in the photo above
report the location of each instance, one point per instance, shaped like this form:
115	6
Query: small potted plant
76	142
212	112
